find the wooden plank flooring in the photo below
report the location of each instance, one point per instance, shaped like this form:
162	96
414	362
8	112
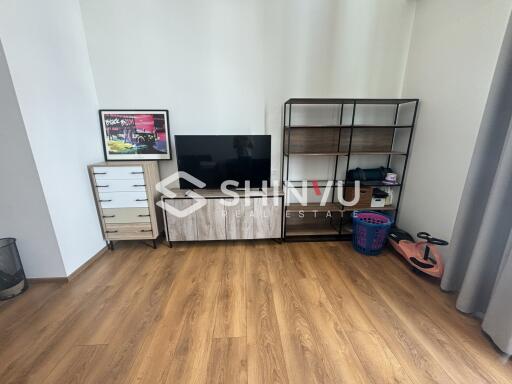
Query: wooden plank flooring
243	312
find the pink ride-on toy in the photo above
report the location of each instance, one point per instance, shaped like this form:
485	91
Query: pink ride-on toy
422	255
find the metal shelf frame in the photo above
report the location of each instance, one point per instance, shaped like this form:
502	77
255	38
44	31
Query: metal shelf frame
342	103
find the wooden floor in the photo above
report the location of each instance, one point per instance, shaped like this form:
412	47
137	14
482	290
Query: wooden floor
253	312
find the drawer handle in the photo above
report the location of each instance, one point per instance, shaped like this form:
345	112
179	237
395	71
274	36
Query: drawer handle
102	186
105	201
111	231
146	230
106	216
143	215
137	173
141	199
99	173
138	185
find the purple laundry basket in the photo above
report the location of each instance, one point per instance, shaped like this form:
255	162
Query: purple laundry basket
370	231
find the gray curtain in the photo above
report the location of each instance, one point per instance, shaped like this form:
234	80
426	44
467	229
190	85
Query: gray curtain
479	262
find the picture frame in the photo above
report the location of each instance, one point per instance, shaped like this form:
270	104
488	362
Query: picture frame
135	134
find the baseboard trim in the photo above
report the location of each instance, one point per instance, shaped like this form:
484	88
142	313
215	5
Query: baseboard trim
87	264
38	280
74	275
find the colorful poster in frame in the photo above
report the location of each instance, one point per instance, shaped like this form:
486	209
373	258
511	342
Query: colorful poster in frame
136	134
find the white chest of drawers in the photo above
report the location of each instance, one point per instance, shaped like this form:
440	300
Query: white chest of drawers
125	196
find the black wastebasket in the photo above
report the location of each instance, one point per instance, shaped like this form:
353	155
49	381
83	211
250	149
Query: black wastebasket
12	276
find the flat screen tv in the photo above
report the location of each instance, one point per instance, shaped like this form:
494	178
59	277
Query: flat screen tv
215	158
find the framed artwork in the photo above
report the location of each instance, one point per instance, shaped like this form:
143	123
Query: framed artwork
136	134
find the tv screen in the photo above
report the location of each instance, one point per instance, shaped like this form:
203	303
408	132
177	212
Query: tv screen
215	158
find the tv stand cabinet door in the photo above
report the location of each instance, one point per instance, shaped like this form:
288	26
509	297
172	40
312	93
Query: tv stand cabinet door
211	221
267	218
239	221
181	228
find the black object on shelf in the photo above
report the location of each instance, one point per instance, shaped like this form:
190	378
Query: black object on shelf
376	183
12	277
375	174
377	192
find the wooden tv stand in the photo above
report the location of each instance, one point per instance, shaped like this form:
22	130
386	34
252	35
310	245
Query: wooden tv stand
260	217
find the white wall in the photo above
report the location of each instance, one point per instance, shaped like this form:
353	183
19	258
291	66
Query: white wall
199	59
227	66
47	55
23	211
332	48
453	55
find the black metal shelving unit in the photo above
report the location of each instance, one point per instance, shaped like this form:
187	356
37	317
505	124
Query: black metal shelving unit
333	229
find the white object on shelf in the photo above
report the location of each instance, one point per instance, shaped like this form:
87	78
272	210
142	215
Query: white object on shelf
378	202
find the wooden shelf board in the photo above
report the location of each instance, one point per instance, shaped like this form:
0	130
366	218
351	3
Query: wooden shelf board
217	193
378	153
309	183
381	126
312	207
310	230
316	153
313	126
385	208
